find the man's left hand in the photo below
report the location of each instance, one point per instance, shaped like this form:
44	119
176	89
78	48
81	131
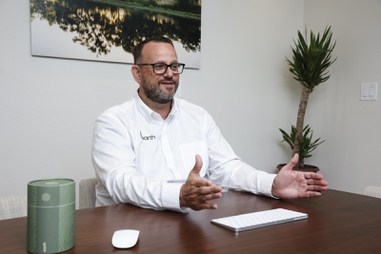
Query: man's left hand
291	184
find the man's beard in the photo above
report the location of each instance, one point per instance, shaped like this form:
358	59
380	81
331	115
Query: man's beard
157	95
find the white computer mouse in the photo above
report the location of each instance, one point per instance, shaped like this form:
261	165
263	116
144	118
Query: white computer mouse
125	238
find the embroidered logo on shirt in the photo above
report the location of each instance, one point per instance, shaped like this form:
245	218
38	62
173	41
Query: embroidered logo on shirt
152	137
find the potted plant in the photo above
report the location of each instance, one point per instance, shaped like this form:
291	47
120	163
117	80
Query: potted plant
309	64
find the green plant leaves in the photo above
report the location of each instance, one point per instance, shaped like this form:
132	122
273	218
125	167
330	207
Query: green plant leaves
307	144
310	61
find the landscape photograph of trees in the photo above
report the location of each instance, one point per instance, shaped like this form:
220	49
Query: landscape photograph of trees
108	30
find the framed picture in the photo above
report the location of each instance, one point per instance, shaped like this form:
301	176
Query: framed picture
108	30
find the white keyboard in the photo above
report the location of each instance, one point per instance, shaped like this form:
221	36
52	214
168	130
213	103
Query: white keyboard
259	219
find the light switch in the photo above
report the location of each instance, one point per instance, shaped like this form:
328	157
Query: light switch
368	92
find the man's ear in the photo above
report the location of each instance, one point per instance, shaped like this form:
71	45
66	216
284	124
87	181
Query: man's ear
135	70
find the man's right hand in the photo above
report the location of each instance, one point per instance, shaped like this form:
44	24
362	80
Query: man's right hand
197	192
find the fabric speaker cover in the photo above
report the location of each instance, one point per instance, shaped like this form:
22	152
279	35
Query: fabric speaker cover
51	215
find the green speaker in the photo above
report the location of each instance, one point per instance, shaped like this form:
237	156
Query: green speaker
51	215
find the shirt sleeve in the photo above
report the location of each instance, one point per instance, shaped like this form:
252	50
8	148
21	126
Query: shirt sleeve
113	159
228	170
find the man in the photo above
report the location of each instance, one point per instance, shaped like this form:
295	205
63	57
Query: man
160	152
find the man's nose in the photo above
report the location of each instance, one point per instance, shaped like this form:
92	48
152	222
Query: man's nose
168	72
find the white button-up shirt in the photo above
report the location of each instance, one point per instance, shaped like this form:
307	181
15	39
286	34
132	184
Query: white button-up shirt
141	159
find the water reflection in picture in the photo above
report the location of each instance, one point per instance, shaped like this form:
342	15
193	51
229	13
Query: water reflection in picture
108	30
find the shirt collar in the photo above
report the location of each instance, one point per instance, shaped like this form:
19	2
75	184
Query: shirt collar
151	115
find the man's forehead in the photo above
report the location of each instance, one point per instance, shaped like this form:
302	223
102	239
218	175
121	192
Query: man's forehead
158	50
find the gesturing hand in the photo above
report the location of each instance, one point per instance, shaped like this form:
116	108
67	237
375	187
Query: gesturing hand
196	192
290	184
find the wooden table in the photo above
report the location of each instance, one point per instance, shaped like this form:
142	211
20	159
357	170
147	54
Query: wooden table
338	222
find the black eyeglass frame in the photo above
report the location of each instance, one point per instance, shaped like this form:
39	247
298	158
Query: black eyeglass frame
181	65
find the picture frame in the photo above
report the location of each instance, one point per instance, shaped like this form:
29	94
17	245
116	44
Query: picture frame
108	30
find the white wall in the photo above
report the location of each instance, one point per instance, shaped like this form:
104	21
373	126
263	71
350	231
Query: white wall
350	157
48	105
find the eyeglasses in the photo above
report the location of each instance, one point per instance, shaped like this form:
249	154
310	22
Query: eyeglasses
161	68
